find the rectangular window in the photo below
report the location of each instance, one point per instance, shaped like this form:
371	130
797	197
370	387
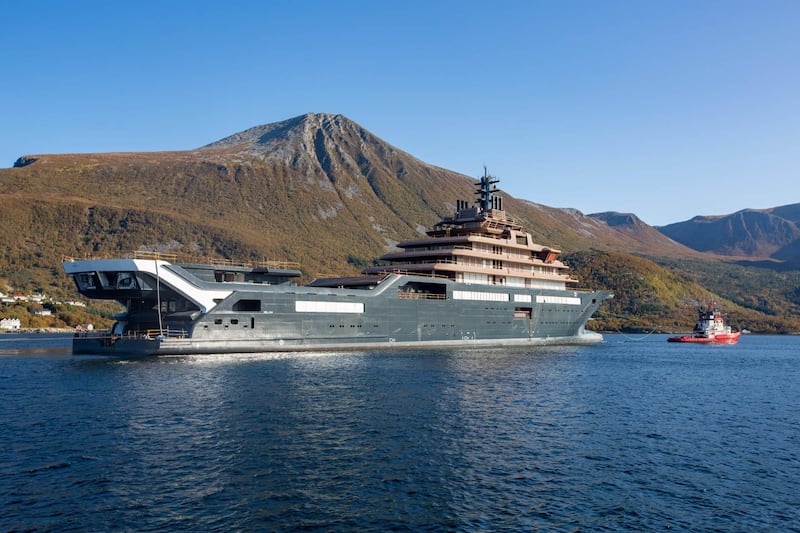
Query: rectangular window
522	312
302	306
480	296
85	280
247	306
567	300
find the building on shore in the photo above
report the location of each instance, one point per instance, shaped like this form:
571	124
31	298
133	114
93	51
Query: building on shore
9	324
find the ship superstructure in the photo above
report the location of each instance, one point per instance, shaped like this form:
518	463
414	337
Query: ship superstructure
478	279
481	245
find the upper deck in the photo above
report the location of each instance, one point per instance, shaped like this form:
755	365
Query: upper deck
481	244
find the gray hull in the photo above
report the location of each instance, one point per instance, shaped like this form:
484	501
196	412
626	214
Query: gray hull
148	347
282	318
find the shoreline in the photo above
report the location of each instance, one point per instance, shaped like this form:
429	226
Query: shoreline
38	331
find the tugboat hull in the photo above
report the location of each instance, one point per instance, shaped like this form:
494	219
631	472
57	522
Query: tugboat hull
731	338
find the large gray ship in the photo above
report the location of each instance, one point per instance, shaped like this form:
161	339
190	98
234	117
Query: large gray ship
477	279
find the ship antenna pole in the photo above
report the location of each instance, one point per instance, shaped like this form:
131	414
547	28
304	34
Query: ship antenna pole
158	299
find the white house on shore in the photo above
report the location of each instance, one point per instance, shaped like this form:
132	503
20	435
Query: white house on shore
9	323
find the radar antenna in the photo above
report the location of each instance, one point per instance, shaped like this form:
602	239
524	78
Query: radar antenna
486	192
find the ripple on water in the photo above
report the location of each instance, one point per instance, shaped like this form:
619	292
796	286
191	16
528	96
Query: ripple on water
634	435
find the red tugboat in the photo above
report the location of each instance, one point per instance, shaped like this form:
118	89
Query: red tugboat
710	329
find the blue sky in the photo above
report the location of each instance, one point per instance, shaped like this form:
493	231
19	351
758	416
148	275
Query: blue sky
664	109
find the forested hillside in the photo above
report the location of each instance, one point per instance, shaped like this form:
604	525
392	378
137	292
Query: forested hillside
665	297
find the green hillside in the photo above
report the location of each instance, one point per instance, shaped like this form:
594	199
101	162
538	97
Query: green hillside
649	296
322	191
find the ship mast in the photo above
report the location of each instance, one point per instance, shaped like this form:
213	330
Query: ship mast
486	193
158	298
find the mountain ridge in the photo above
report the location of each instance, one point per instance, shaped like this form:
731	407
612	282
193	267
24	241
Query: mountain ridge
754	233
318	189
316	142
341	158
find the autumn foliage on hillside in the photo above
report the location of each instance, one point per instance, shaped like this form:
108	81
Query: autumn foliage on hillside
651	297
322	191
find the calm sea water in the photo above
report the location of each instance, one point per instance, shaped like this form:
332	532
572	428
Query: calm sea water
634	433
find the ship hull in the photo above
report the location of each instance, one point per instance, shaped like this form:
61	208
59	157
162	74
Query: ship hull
398	311
731	338
111	346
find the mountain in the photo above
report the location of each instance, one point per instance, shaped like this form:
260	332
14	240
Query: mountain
649	241
750	233
318	189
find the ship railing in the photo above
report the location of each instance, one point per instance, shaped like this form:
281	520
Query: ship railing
136	254
136	334
421	295
186	258
493	269
285	265
440	248
389	270
165	332
144	254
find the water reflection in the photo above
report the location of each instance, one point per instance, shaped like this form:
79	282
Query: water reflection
622	435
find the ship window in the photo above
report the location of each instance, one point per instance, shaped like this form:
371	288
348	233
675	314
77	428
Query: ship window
522	312
218	321
221	276
126	280
247	305
480	296
234	321
421	290
522	239
547	255
85	280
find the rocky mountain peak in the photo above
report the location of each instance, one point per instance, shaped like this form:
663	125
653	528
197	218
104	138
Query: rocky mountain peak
309	143
615	219
301	131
